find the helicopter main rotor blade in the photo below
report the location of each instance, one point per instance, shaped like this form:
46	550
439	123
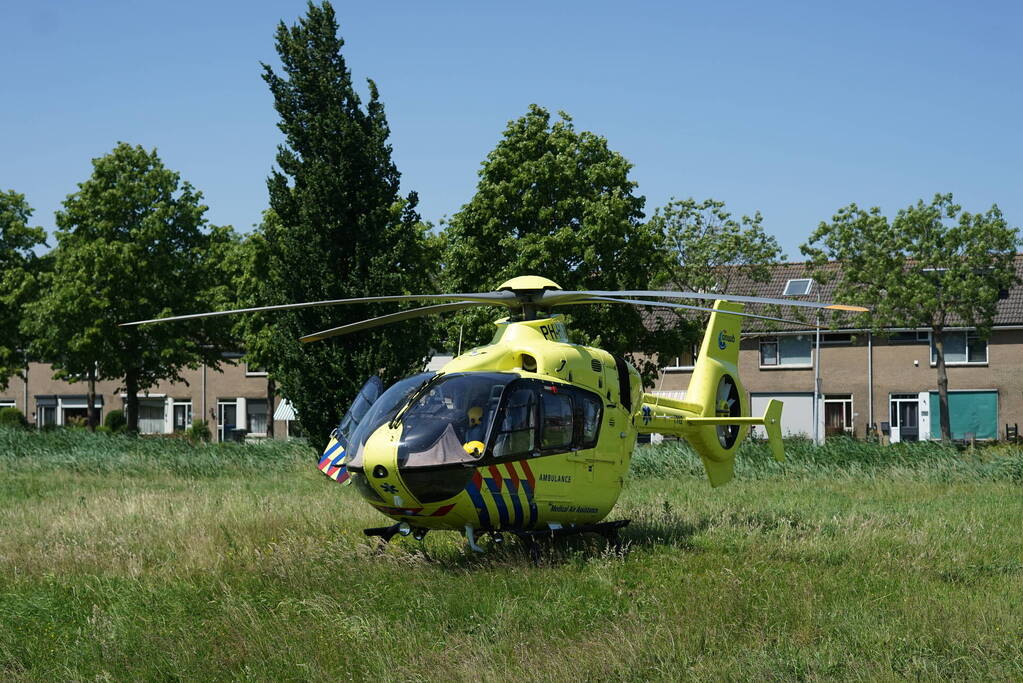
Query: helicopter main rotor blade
482	298
388	319
556	297
665	304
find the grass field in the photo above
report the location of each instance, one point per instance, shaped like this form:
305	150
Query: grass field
154	559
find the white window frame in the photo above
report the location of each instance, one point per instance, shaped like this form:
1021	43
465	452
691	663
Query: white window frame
777	354
175	404
221	402
269	416
8	403
254	373
834	339
679	366
966	347
851	412
923	337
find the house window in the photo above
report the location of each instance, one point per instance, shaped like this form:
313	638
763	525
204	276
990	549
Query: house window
838	414
254	371
962	347
255	415
800	287
687	361
46	411
909	337
7	403
789	350
837	339
152	419
182	415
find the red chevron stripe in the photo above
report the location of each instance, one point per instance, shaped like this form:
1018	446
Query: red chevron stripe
512	474
477	479
529	474
443	510
496	474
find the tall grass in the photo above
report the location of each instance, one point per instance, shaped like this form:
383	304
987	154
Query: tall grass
80	451
843	457
119	560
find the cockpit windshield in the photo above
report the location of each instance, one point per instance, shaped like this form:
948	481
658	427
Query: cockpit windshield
450	421
383	410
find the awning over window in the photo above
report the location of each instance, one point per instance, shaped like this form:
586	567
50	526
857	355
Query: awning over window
285	411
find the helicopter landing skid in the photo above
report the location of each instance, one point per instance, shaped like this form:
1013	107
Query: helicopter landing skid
385	533
609	530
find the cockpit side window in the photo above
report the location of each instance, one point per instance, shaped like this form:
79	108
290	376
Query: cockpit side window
541	418
588	412
557	421
516	430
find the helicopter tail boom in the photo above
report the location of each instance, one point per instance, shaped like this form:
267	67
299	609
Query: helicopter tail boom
715	417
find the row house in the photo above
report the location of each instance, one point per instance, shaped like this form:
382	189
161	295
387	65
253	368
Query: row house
231	397
883	383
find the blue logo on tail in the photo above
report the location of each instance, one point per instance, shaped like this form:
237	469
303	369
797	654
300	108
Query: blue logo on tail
724	339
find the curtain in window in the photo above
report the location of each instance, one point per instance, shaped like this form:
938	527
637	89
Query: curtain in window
794	350
255	411
151	418
955	348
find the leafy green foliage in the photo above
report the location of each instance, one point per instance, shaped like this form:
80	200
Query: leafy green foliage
198	431
705	250
557	202
931	266
19	271
338	229
12	417
115	421
132	244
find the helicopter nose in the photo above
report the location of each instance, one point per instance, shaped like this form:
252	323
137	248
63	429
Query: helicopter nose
381	466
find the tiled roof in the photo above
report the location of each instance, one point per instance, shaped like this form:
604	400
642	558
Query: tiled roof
1010	309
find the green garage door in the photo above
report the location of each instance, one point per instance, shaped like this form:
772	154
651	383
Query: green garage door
974	412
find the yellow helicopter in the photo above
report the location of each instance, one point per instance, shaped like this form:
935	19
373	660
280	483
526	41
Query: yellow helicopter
531	434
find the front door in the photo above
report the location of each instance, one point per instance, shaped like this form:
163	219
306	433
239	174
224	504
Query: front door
227	420
905	415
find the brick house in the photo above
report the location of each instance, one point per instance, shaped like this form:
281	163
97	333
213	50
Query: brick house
230	397
868	381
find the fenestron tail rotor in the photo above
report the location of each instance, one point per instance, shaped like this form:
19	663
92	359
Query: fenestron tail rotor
525	296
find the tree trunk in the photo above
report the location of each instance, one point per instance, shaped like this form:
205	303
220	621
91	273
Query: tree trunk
271	389
131	401
93	418
939	351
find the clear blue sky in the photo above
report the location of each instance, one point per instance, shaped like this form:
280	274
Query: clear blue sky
793	109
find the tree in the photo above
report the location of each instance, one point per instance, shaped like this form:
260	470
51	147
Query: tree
19	271
341	229
705	249
245	268
932	266
132	244
557	202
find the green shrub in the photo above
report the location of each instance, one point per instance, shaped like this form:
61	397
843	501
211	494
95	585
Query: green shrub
115	421
12	417
199	431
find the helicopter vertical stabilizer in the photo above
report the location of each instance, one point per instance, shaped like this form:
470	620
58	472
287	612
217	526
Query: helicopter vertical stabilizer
714	417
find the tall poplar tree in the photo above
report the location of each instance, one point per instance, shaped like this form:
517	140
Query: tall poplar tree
342	228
